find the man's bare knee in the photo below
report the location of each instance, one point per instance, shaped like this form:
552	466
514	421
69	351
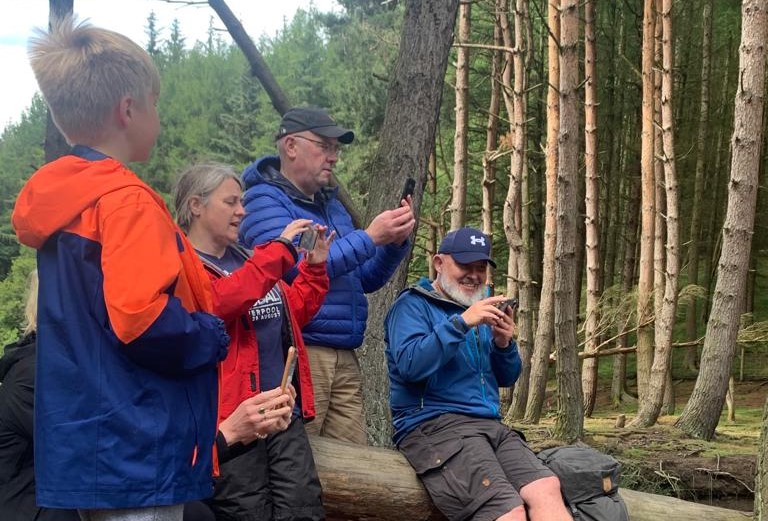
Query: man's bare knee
516	514
544	489
544	500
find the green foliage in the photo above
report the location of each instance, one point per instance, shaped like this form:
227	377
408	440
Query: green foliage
212	108
13	292
21	153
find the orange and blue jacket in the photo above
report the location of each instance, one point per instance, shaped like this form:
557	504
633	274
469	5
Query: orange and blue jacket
126	385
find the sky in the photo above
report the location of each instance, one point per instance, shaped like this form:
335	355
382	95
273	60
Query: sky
128	17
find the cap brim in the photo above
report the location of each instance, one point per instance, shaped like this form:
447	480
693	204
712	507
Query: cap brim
468	257
344	135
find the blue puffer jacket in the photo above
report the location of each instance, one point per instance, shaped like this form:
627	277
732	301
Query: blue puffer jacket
355	265
435	367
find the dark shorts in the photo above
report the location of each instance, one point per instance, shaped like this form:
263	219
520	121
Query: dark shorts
472	468
274	479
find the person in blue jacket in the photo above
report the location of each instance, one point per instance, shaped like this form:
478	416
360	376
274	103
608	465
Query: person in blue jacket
449	348
295	185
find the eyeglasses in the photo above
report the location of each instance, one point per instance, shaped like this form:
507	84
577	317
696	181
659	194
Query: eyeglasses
327	148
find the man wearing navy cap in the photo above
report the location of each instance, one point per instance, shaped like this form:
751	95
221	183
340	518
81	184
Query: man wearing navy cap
449	348
295	185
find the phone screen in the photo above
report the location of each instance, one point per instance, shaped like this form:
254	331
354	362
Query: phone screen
308	239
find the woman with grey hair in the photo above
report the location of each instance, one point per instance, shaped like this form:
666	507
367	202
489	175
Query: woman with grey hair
274	475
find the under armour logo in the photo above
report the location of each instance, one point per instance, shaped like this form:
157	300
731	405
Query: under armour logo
477	240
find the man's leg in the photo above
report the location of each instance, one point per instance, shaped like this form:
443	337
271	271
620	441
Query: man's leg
344	418
537	484
166	513
544	500
459	469
322	363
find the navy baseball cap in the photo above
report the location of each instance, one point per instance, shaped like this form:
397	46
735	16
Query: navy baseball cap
315	120
467	245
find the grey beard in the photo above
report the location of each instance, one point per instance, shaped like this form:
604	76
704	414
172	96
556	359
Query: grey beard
454	291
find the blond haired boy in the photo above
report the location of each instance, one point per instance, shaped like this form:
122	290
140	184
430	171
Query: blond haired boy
125	403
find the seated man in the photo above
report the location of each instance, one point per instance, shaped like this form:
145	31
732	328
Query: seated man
448	350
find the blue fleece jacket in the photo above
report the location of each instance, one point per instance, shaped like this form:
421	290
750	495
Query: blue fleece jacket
355	265
438	365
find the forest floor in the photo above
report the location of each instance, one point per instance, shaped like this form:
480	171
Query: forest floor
663	460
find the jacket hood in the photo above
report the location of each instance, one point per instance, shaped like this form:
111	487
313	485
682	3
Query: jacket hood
41	210
15	352
267	170
424	288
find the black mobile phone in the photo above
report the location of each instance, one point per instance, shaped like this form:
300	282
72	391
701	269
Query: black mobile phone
513	303
408	188
308	239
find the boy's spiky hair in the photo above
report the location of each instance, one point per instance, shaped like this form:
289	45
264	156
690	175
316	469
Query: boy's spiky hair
83	71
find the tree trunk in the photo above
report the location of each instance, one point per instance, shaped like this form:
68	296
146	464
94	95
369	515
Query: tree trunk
522	229
702	412
691	314
55	144
545	332
459	192
761	479
631	229
570	418
645	283
666	312
406	140
435	234
592	200
492	127
377	484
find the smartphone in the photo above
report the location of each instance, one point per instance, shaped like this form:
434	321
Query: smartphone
308	239
408	188
290	367
513	303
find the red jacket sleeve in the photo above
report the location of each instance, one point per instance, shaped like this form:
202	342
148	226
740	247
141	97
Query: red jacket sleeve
307	291
234	295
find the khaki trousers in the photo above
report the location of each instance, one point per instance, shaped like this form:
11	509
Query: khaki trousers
337	382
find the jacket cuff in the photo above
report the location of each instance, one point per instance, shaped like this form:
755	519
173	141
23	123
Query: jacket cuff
512	346
227	452
459	324
288	244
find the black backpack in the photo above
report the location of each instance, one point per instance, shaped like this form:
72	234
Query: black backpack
589	481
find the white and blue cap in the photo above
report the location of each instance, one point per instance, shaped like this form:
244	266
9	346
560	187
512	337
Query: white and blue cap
467	245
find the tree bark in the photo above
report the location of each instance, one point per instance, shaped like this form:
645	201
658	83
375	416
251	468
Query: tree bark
592	203
691	313
377	484
650	408
405	143
645	283
702	412
520	239
570	419
761	479
492	127
545	332
459	191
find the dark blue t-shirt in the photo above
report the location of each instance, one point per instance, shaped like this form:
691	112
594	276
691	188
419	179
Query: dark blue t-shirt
267	317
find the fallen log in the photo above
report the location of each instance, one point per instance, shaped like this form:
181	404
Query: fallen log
377	484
